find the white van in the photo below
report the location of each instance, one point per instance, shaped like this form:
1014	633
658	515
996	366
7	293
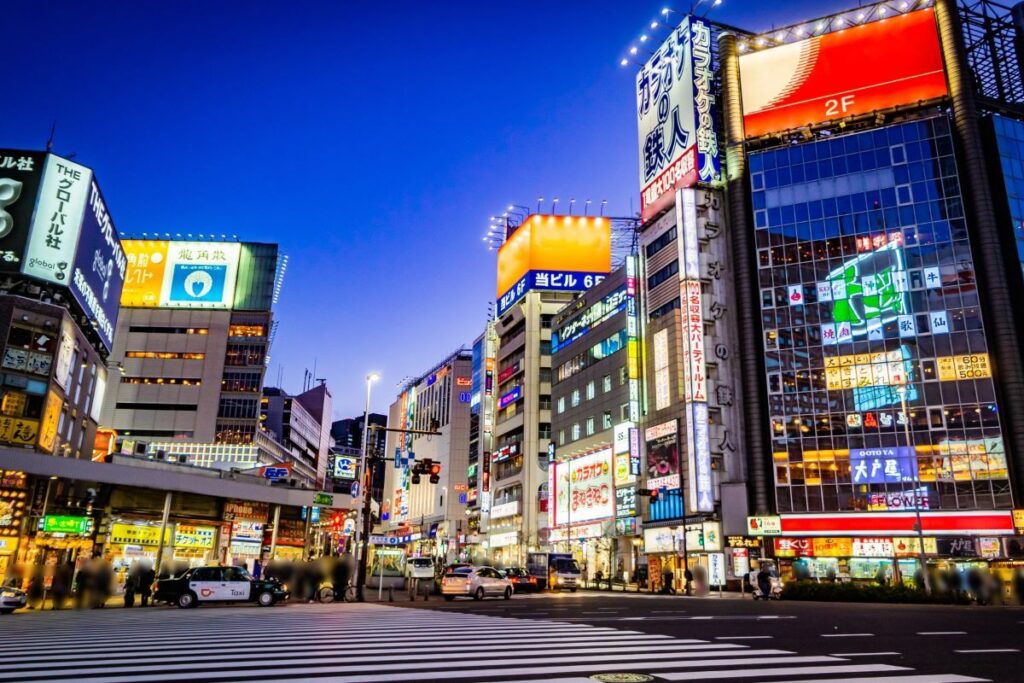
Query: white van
419	568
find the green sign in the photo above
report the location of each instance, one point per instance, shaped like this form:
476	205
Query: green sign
65	524
323	499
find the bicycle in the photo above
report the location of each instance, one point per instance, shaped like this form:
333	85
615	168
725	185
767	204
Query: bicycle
327	594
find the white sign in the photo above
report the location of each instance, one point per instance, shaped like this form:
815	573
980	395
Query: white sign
200	275
584	489
505	510
872	547
716	569
505	539
663	540
58	220
669	482
662	384
764	526
740	562
62	368
574	533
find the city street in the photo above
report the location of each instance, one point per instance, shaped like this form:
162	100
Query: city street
563	638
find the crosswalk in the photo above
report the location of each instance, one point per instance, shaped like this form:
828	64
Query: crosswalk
355	643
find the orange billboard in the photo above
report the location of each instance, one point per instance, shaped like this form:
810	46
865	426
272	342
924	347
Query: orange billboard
856	70
144	277
556	245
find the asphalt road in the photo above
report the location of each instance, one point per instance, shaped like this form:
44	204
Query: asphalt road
986	642
560	638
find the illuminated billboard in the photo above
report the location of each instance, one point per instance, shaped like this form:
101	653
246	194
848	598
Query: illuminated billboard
856	70
58	220
561	253
99	268
164	274
20	176
675	114
584	489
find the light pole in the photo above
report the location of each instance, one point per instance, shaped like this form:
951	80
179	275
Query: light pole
363	521
902	391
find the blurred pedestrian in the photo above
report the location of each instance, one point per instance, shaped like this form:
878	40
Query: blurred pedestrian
36	588
61	588
146	578
257	569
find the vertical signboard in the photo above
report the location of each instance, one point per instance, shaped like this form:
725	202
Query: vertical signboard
144	278
48	426
100	266
698	446
632	339
57	220
675	116
20	176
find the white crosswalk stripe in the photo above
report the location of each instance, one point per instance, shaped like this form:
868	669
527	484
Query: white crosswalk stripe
377	644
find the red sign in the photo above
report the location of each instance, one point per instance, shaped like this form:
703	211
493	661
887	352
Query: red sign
856	70
976	523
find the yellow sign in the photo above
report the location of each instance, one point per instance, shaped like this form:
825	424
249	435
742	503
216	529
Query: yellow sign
566	244
832	547
910	546
1018	521
137	534
19	430
970	366
865	370
187	536
144	277
48	430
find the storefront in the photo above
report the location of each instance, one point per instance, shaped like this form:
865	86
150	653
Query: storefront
13	506
247	522
132	540
291	540
61	539
666	546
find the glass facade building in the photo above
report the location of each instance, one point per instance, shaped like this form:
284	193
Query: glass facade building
1009	134
880	388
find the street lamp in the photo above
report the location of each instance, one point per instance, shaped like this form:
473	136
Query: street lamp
902	391
362	521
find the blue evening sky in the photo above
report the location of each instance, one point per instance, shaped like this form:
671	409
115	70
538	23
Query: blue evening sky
372	140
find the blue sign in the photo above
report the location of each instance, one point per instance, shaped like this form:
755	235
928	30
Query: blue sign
198	283
463	497
550	280
883	465
97	276
510	397
354	491
465	396
275	473
398	456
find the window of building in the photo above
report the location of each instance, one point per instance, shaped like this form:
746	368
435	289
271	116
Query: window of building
157	329
576	432
561	404
606	422
544	431
561	437
664	309
590	426
165	355
591	390
544	403
241	381
575	398
623	376
245	355
545	321
247	331
545	375
663	275
184	381
623	412
606	383
155	406
663	240
545	347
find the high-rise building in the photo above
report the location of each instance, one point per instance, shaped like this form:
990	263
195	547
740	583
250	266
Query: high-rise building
481	436
287	420
191	344
542	265
436	402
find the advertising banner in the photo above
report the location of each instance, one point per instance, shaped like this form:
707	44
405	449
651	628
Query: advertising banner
584	489
345	466
20	177
675	109
883	465
144	278
99	268
58	220
51	418
65	524
662	451
858	70
200	275
19	431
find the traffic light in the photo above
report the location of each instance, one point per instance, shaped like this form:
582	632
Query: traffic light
435	472
653	494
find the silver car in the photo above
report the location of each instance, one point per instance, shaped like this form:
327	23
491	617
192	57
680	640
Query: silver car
476	583
12	599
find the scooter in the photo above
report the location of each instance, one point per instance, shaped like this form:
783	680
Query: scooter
774	592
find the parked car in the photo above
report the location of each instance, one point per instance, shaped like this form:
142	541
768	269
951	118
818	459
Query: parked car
218	584
521	579
476	583
12	599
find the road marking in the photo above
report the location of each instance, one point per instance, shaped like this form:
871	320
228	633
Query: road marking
925	678
942	633
995	649
847	635
741	637
862	654
783	670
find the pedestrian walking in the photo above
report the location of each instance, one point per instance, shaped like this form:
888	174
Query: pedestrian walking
36	588
131	585
61	588
146	578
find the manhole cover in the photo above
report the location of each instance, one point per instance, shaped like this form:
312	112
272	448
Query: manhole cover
621	678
